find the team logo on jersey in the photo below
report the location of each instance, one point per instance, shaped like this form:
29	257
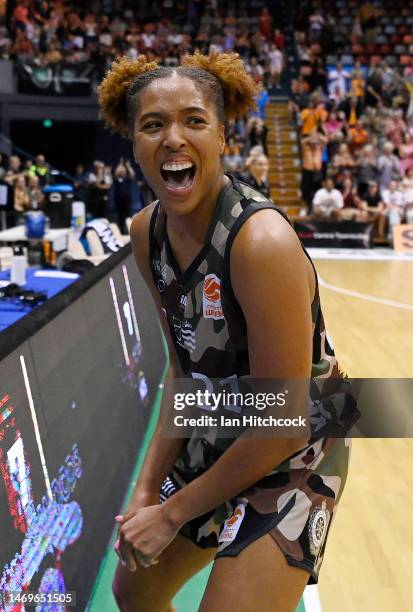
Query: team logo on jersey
211	299
231	527
185	334
317	527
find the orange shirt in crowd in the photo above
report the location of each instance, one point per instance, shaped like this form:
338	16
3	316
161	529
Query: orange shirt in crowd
21	13
358	136
357	87
311	117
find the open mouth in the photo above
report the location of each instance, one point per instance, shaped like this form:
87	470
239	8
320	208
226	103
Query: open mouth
178	176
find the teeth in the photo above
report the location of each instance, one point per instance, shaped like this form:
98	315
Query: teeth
173	167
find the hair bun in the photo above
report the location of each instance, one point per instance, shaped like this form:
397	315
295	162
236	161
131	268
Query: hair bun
238	86
114	89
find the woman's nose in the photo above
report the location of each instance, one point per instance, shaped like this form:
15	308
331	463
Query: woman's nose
174	137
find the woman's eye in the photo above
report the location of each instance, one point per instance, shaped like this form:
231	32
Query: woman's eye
195	120
152	125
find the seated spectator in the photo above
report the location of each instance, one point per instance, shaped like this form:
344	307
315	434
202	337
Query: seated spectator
53	55
395	203
100	181
233	160
35	192
337	82
352	207
80	182
265	21
40	168
388	166
395	129
276	61
257	174
407	187
300	90
358	85
372	204
257	133
343	160
327	202
366	169
279	39
122	191
14	169
333	125
406	153
21	196
358	137
262	100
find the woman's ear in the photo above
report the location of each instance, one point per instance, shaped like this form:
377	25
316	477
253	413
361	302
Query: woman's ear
222	140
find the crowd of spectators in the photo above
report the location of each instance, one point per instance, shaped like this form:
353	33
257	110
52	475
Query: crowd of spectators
49	31
46	32
356	118
106	191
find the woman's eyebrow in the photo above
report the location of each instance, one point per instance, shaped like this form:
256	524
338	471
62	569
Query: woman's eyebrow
186	109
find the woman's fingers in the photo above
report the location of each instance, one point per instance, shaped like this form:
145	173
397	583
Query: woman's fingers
143	559
124	550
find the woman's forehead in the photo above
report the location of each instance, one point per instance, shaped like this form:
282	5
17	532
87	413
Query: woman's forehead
172	94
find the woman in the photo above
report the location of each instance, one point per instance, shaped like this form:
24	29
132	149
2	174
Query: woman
21	195
257	133
352	209
222	263
122	192
407	186
366	169
343	162
406	153
373	205
257	174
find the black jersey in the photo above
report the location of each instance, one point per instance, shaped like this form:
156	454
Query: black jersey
207	325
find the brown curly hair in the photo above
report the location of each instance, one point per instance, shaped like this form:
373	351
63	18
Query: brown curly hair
221	76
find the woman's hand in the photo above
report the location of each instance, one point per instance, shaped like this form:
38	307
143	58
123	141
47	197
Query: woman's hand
123	549
148	531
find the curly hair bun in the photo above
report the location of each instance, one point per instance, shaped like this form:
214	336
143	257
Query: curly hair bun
239	88
114	89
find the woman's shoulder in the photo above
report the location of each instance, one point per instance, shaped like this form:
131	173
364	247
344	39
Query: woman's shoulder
266	232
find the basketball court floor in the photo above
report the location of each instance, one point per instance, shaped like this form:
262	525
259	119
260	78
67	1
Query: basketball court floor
367	299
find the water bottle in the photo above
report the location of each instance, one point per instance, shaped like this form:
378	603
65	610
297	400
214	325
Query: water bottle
18	267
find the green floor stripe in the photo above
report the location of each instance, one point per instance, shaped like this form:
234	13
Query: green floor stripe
102	599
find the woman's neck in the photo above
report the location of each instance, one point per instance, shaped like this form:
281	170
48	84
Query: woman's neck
195	224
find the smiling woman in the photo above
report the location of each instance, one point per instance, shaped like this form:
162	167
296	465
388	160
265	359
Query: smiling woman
236	295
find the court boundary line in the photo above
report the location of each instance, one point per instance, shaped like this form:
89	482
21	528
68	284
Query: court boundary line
311	597
343	254
363	296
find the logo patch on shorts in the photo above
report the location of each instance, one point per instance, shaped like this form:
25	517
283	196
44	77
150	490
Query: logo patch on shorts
211	298
231	526
317	527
